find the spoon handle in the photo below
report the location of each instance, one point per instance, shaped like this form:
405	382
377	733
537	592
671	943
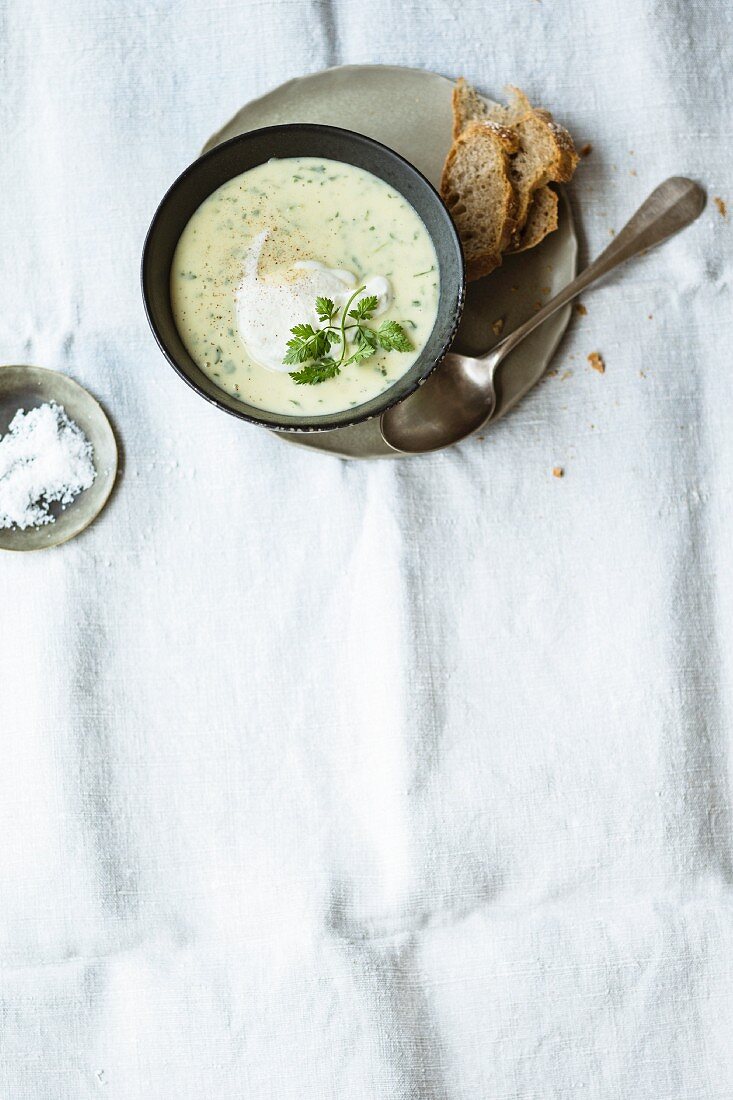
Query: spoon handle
670	207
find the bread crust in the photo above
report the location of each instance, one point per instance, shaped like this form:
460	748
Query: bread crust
477	189
468	106
541	220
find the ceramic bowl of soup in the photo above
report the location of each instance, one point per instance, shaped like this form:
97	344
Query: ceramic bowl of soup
313	229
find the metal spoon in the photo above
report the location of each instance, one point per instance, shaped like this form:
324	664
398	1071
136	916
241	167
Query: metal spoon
459	396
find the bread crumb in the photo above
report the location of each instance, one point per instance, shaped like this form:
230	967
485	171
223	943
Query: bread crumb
649	316
515	288
612	232
557	471
551	373
642	374
567	374
537	305
497	326
580	308
586	150
544	290
722	208
632	171
596	361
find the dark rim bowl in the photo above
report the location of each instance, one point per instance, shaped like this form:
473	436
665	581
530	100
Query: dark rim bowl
246	151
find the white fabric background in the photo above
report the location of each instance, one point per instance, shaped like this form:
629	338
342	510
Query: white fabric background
382	780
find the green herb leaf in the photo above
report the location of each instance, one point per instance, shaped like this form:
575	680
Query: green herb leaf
316	373
366	345
304	331
362	353
325	309
307	343
309	346
297	352
392	337
366	335
364	308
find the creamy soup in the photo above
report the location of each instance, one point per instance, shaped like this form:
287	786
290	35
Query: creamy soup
258	252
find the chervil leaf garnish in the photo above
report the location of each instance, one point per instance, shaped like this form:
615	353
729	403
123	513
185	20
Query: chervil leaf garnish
310	346
366	345
315	373
364	308
303	331
325	309
307	343
392	337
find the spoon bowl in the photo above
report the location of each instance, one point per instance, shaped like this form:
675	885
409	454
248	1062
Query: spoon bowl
453	402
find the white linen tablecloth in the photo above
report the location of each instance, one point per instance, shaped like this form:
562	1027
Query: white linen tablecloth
389	779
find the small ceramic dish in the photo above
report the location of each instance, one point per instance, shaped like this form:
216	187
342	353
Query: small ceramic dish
27	388
246	151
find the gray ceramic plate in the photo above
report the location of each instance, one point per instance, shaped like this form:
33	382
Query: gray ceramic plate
28	387
410	110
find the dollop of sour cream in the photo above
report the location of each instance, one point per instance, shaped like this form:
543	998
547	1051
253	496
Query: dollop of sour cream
268	307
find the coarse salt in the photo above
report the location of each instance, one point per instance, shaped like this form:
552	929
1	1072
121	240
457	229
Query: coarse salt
44	457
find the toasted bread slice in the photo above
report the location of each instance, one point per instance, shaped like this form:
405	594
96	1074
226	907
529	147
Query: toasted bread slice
468	106
478	191
546	153
541	220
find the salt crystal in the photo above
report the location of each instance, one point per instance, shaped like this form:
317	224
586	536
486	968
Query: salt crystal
44	457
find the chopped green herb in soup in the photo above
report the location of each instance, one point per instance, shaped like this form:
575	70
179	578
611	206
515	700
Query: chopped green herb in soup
299	286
